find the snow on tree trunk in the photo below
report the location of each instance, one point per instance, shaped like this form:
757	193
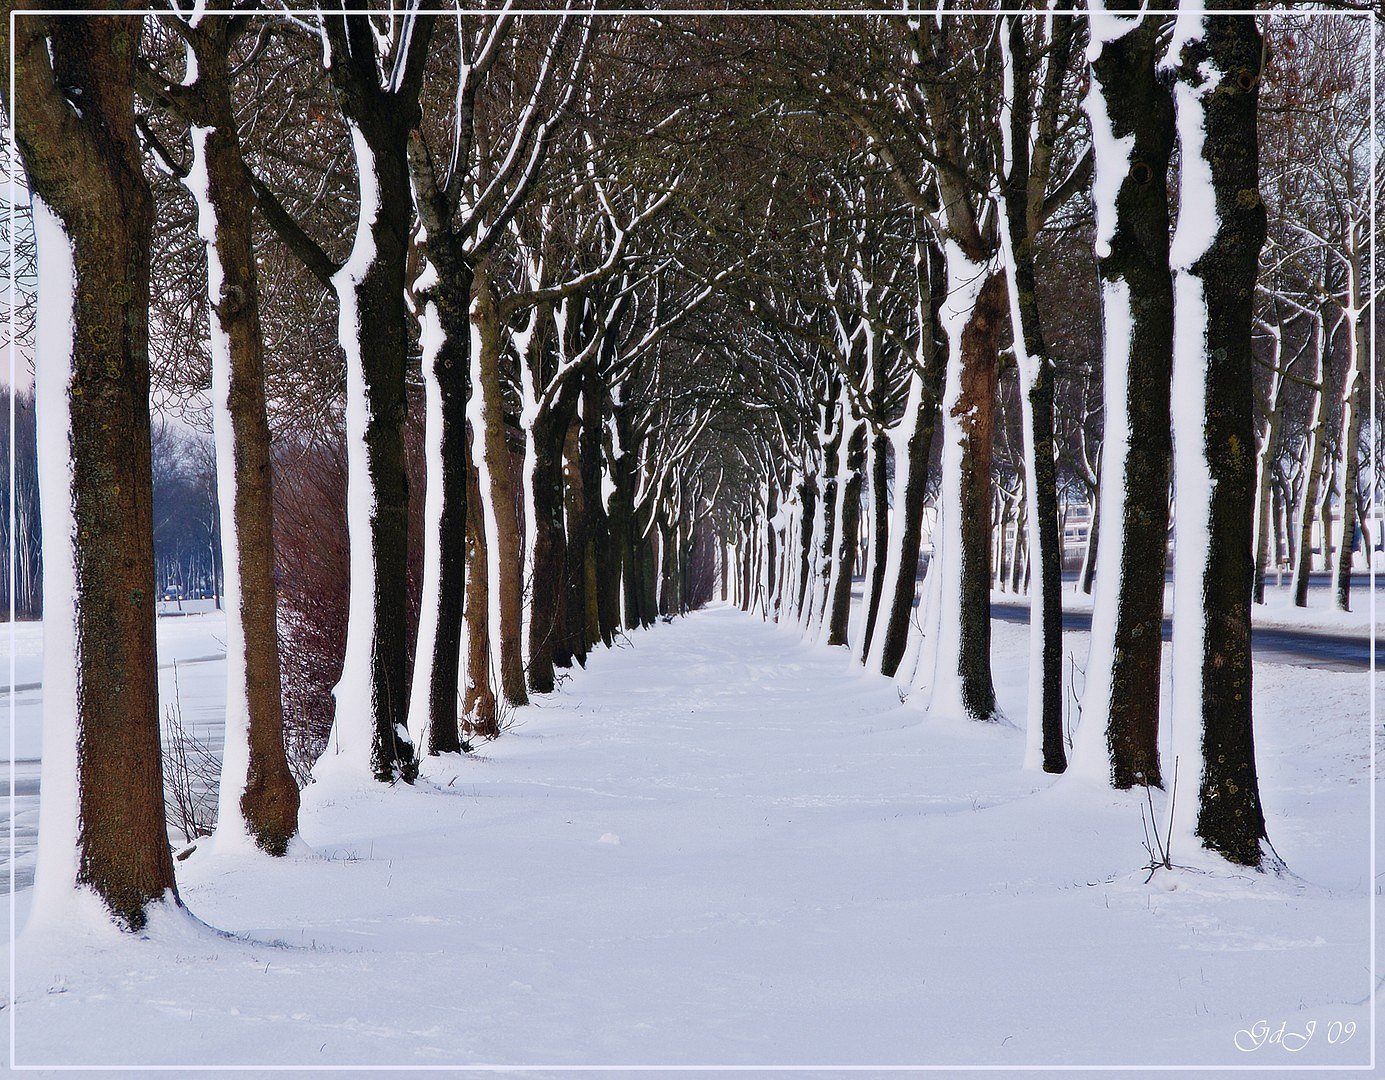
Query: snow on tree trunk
912	440
477	672
878	518
1349	436
427	651
959	681
57	874
810	541
1131	116
1221	228
369	738
1044	744
1266	452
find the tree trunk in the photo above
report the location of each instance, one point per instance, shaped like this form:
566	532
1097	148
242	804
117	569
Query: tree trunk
1118	739
961	684
828	505
505	560
547	545
1267	452
370	736
574	558
879	557
807	530
1312	464
649	579
604	576
102	802
258	797
445	339
1353	403
911	484
668	603
1024	189
839	612
478	685
1217	95
1087	574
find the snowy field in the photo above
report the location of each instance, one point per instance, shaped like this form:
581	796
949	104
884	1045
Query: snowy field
719	846
1278	610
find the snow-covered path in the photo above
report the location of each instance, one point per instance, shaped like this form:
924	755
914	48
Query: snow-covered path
717	845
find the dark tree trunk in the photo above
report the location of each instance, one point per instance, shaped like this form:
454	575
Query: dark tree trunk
840	601
575	554
976	411
625	561
1140	105
721	545
85	169
911	483
821	601
648	580
771	548
1352	404
500	494
547	639
1024	193
383	118
668	568
478	690
807	493
1229	815
604	578
451	296
879	535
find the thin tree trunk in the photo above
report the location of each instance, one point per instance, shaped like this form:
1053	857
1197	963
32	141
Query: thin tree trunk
1267	452
478	687
258	795
840	602
604	577
574	560
1312	463
911	481
547	544
1353	403
1087	574
497	495
808	525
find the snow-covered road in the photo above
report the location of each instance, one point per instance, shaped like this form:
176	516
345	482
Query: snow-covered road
717	845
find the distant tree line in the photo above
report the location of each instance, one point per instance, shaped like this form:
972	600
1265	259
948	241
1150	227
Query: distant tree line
187	533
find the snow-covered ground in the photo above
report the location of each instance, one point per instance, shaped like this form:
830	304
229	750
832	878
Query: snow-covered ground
719	846
192	677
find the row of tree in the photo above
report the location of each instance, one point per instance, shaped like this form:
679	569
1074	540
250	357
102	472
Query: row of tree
516	332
